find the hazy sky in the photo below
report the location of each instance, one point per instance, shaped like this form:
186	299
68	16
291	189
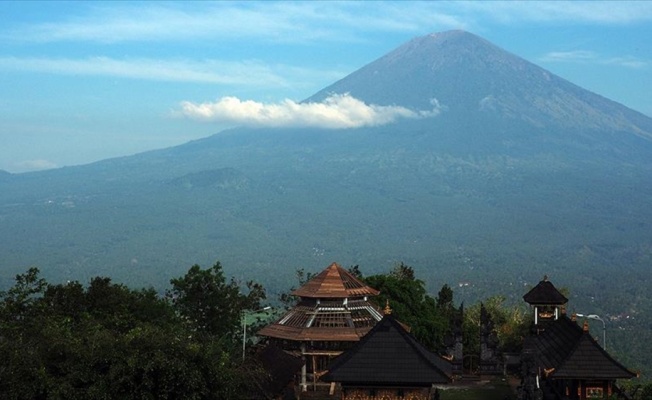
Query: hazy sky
84	81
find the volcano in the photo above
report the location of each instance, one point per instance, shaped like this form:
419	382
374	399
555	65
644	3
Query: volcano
470	76
520	173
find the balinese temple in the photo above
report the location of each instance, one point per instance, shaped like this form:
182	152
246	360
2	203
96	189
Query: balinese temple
563	360
333	313
547	301
389	364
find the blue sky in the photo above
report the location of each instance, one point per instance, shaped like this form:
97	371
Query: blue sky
84	81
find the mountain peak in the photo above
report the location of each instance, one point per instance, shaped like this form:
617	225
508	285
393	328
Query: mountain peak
456	48
456	35
467	74
434	66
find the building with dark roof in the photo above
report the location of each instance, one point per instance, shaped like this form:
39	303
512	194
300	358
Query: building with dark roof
388	363
332	313
547	301
561	360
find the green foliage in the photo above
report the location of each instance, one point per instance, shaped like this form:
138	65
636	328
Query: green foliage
211	304
107	341
410	303
646	392
430	319
402	272
445	298
355	271
19	300
511	324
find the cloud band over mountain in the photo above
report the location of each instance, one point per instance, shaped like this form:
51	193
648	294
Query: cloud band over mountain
337	111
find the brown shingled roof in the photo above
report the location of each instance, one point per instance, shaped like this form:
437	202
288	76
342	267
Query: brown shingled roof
335	282
332	320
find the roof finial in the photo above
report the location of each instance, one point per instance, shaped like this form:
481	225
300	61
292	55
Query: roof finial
574	317
586	326
545	278
387	309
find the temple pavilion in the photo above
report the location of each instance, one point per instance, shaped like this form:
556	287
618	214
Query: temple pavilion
560	359
389	364
333	312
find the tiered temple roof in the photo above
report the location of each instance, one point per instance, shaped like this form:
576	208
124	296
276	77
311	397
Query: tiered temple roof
334	282
333	306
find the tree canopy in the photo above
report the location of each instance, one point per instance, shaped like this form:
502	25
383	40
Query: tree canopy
431	319
210	303
105	340
411	304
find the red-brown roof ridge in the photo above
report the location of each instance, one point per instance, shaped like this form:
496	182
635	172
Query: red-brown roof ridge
335	282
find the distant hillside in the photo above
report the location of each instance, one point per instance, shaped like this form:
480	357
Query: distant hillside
520	174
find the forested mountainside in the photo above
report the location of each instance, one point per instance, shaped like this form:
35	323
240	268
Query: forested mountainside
509	174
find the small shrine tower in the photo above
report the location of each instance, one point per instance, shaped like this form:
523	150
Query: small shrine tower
548	302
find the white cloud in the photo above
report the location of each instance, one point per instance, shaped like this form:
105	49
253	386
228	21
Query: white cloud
571	56
585	56
337	111
629	62
33	165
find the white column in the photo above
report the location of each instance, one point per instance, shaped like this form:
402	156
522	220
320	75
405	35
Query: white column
304	385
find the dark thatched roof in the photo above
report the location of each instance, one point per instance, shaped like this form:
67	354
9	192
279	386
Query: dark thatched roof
567	351
389	356
545	293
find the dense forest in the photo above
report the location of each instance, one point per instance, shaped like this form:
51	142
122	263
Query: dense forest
104	340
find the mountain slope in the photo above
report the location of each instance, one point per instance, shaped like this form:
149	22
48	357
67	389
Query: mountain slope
470	76
521	174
